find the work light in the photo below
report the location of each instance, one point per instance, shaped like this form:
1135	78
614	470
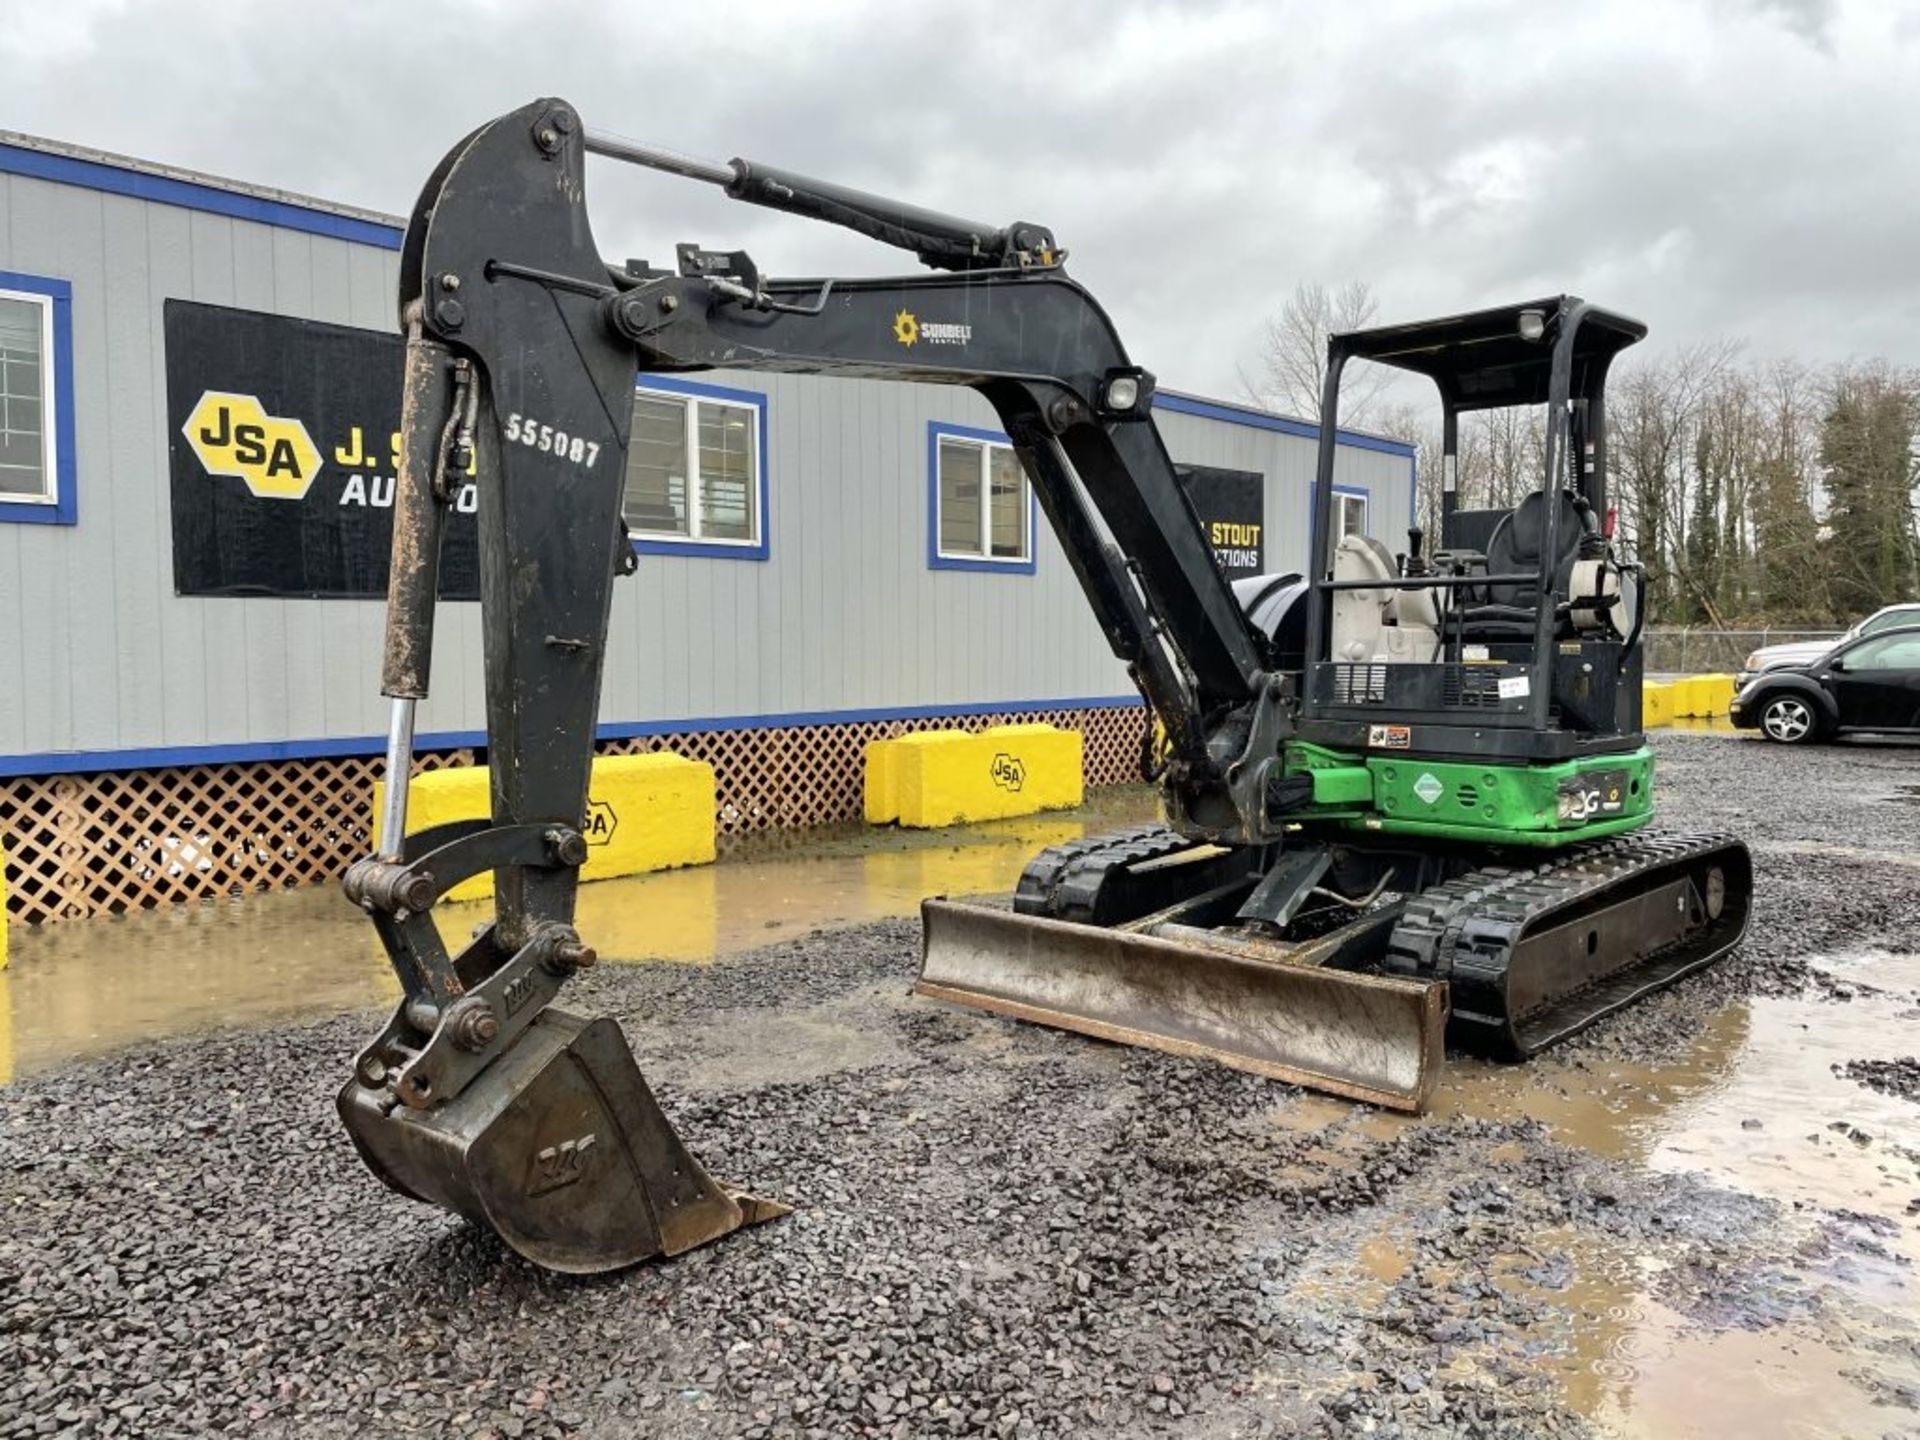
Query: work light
1126	394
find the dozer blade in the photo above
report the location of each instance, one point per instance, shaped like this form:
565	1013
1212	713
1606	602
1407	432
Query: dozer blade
560	1148
1366	1037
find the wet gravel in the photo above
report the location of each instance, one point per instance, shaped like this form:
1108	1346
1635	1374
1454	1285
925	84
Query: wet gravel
999	1230
1890	1077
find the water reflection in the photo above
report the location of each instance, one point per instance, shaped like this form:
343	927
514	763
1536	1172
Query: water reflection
88	987
1752	1105
1757	1105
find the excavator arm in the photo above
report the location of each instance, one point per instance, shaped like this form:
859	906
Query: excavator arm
500	270
523	348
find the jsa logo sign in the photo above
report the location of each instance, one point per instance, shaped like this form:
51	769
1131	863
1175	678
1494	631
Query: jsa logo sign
234	435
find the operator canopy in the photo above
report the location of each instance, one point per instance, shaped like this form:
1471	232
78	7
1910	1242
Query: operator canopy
1487	359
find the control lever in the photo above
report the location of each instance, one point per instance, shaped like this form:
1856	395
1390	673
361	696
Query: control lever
1413	563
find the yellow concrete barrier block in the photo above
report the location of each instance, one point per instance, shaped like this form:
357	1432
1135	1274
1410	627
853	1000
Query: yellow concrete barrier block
1656	704
951	779
3	905
880	795
644	812
1701	697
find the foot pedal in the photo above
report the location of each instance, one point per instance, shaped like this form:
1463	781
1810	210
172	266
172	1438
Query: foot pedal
560	1148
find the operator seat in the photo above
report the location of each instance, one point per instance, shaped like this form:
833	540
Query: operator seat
1514	548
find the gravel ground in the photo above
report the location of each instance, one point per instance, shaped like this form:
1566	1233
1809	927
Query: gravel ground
999	1230
1890	1077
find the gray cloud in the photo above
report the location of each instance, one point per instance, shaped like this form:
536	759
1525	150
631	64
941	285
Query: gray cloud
1744	169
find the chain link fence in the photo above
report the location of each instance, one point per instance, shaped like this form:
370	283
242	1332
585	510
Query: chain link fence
1702	649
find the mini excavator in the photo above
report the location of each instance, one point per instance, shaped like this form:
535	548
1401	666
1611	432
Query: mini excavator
1403	793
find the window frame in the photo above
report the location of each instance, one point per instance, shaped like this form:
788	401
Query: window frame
937	559
1886	640
1352	492
55	299
668	387
1894	617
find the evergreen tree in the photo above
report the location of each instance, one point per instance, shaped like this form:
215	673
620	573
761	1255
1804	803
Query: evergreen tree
1866	454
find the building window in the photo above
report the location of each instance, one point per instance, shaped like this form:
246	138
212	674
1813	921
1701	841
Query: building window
696	473
1349	513
36	402
981	508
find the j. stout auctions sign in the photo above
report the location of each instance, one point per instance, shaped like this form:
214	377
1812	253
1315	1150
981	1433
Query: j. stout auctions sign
284	449
1232	507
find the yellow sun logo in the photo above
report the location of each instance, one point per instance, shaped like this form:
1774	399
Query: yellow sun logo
906	329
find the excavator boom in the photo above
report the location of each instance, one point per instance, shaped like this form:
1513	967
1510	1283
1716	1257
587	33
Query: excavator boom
523	345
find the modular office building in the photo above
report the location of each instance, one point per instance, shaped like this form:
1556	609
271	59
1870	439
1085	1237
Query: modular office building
198	382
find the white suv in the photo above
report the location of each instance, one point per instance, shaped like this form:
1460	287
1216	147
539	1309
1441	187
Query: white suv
1804	652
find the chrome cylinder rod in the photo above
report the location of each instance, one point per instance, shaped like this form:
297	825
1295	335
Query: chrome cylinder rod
599	142
393	809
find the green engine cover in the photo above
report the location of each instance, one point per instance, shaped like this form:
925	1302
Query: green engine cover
1486	803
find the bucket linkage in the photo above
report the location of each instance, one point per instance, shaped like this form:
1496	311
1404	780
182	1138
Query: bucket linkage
480	1097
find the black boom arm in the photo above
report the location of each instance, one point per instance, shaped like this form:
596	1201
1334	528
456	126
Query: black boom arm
523	346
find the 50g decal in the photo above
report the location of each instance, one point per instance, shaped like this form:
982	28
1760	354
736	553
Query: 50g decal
1593	796
549	441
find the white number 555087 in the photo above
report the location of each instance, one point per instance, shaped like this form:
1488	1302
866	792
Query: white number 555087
549	441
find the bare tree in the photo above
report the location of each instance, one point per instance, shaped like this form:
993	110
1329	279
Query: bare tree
1792	577
1652	413
1419	426
1293	353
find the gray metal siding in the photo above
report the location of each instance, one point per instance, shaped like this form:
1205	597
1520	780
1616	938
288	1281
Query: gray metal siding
98	654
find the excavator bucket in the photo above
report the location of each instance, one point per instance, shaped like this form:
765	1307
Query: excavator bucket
559	1148
1367	1037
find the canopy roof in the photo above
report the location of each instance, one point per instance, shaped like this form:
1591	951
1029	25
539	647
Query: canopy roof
1480	361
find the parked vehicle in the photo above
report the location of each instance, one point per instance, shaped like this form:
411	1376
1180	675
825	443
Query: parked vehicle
1867	684
1803	652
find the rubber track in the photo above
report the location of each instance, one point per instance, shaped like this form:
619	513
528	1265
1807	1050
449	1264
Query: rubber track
1465	930
1057	877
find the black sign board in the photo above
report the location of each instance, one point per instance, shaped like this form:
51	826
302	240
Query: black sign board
282	453
1232	505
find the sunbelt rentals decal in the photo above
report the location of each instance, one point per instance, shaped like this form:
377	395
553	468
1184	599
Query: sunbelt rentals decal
910	330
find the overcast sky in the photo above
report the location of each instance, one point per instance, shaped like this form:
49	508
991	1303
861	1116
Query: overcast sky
1745	168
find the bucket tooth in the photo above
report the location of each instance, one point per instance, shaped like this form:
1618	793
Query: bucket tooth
1367	1037
560	1148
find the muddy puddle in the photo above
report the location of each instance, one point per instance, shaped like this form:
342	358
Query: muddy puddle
1758	1107
83	988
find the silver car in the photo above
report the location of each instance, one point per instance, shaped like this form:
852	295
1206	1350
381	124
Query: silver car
1805	652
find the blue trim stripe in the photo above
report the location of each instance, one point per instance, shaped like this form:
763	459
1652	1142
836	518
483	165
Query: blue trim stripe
709	549
1180	404
68	762
1230	414
936	431
165	190
66	507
